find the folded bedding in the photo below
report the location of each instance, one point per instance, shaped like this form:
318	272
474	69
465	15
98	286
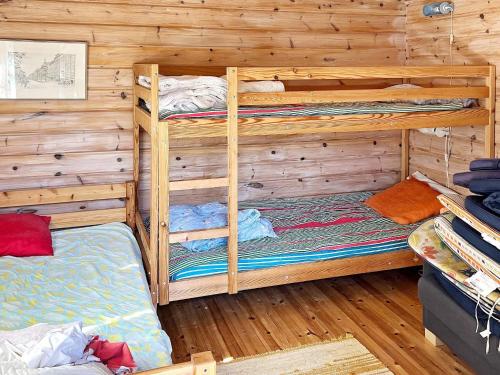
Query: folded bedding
464	178
251	225
429	246
492	202
473	237
199	93
308	230
96	276
485	164
167	84
466	251
186	100
474	205
485	187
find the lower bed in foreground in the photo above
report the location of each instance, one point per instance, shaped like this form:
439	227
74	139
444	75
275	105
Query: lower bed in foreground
96	277
309	230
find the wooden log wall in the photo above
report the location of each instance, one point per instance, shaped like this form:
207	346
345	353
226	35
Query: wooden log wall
53	143
476	40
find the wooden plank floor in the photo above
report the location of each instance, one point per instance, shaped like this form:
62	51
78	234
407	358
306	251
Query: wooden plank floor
381	310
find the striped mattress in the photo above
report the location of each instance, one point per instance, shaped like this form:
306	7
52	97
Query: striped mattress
316	110
309	229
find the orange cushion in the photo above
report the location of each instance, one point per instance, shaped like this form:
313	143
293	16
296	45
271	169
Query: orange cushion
406	202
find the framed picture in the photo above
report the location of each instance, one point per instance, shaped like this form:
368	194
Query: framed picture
43	69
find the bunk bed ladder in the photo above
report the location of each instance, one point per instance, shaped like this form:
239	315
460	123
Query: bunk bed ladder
230	182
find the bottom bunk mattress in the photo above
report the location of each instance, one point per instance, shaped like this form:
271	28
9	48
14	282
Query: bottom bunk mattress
309	229
95	277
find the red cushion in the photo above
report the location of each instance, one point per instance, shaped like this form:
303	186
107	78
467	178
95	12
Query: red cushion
25	235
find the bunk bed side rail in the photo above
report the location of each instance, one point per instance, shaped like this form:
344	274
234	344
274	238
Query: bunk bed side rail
85	193
364	73
302	73
371	95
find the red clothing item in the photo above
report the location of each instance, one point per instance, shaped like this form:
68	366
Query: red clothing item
112	354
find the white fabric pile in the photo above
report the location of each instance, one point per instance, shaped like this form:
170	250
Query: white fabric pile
48	349
464	102
199	93
438	132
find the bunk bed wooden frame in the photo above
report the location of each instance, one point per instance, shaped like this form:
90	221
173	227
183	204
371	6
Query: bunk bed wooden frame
232	127
201	363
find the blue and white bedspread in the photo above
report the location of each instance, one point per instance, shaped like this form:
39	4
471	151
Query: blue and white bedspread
95	277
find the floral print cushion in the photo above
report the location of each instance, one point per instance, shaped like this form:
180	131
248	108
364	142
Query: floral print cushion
427	244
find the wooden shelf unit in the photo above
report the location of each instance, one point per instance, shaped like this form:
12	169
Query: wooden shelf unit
232	127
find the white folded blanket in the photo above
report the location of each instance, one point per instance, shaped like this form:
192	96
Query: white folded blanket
199	93
191	100
167	84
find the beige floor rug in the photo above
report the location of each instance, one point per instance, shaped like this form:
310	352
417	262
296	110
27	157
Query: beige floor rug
342	357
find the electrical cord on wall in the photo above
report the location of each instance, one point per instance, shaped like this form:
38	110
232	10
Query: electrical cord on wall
447	144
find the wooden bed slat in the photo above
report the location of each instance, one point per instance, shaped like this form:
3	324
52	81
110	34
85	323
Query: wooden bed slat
328	96
180	129
204	183
143	119
298	73
203	234
142	92
31	197
86	218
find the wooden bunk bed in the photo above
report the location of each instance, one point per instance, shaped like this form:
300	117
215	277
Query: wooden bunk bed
159	239
201	363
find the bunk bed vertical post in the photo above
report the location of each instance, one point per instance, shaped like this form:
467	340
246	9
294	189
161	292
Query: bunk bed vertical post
232	167
131	204
489	130
405	153
136	151
405	147
203	363
136	144
164	211
153	216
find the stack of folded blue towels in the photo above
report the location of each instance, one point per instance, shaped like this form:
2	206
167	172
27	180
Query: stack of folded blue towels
483	180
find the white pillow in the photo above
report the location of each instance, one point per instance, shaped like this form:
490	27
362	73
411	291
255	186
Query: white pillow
433	184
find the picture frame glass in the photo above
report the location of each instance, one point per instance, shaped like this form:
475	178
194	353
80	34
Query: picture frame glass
43	69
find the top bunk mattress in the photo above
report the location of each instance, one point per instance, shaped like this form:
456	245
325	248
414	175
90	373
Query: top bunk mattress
333	109
309	229
95	277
